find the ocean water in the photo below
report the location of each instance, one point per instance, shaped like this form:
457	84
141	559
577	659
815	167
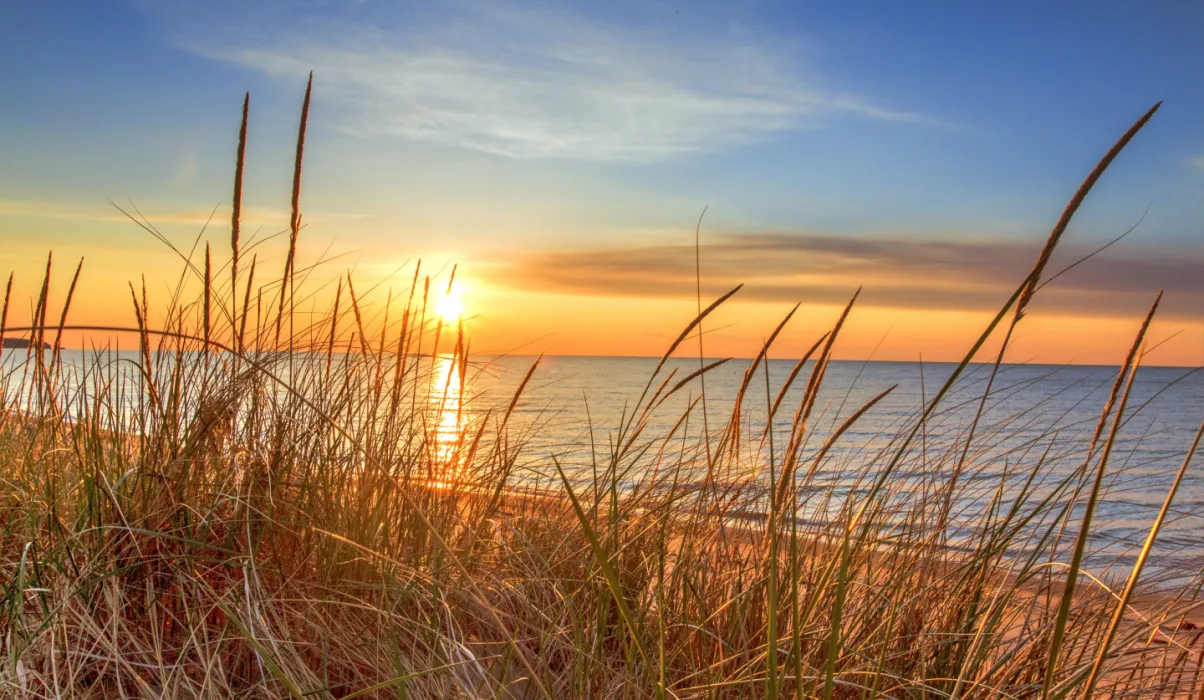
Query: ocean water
1034	413
576	409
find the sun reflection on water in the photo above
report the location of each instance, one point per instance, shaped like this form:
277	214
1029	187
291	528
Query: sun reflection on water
449	420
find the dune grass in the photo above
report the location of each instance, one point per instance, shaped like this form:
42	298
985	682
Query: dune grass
264	503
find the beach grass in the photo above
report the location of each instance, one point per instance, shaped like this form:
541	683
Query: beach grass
266	503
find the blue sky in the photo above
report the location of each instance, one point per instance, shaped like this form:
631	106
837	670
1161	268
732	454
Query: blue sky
503	133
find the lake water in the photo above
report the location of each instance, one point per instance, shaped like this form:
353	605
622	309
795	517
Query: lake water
574	408
1034	411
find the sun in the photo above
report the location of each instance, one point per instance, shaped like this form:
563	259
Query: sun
450	308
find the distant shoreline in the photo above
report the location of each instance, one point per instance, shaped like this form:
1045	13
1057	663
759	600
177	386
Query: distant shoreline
21	344
24	344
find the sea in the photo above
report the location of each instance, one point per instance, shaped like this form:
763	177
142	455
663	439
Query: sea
581	411
579	408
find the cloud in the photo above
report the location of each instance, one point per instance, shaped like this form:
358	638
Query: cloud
1198	161
218	215
957	274
186	173
532	84
158	216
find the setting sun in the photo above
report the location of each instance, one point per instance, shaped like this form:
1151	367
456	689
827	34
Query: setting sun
450	308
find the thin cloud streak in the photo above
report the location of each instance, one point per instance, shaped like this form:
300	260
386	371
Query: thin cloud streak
896	273
218	215
110	213
522	84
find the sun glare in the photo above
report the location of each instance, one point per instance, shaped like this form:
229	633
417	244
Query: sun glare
450	308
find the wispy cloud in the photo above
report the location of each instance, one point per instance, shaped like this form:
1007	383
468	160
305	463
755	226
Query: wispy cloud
186	172
896	273
158	216
1198	161
530	84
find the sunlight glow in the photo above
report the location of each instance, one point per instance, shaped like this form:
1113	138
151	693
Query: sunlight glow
449	419
450	308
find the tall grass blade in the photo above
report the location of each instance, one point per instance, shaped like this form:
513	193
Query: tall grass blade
1129	369
236	215
603	562
1134	575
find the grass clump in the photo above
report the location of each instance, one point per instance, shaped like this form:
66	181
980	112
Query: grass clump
265	502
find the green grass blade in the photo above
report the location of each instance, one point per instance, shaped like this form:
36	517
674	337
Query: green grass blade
608	571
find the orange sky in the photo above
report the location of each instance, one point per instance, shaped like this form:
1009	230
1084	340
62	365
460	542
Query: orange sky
504	317
561	324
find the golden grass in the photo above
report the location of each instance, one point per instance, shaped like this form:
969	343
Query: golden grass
262	506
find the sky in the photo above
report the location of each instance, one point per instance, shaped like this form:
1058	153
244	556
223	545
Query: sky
562	153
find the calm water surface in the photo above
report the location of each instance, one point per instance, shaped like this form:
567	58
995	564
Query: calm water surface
573	408
1033	411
